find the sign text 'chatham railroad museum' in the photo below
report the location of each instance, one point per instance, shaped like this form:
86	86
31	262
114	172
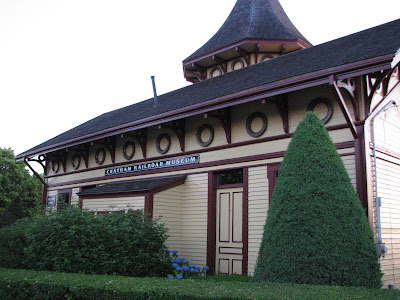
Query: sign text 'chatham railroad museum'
158	164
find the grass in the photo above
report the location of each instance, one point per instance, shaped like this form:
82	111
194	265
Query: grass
23	284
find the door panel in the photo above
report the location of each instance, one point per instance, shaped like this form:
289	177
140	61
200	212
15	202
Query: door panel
229	242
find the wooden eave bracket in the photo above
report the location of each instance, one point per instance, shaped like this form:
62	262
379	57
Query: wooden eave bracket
350	86
381	83
39	160
244	54
222	63
60	156
177	127
140	136
110	144
83	151
342	104
281	104
200	72
225	117
256	53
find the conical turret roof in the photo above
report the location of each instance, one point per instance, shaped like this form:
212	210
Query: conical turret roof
252	20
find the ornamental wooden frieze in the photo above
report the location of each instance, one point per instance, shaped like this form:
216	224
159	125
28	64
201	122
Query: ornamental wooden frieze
325	102
250	120
160	138
177	127
128	150
58	159
199	133
100	155
75	161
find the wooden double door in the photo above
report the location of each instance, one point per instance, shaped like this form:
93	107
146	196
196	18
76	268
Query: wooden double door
229	227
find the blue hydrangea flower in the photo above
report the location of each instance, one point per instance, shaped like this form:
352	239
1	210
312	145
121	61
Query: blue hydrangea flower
206	268
168	251
175	251
179	276
183	258
192	270
170	276
179	269
196	270
185	268
175	265
173	260
178	260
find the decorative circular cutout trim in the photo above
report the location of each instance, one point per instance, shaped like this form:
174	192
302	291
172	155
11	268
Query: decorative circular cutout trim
55	166
250	119
266	57
125	148
102	152
200	131
75	165
328	104
215	69
158	143
235	62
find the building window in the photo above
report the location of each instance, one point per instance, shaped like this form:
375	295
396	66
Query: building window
63	199
234	176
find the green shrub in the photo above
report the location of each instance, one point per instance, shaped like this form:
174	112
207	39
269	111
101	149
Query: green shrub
316	231
76	241
21	284
12	244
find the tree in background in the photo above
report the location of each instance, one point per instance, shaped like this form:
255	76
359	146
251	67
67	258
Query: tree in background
316	231
20	192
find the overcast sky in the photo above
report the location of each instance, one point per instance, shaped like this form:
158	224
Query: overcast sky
63	62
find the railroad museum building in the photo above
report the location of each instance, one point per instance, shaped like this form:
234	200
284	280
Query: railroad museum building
205	157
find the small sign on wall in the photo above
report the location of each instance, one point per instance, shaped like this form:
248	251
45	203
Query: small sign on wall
51	201
165	163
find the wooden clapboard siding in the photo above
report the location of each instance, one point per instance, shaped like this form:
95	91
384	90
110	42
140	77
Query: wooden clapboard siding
194	218
74	196
387	133
167	206
113	204
349	164
258	207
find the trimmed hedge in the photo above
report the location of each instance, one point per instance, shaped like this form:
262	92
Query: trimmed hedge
76	241
21	284
316	231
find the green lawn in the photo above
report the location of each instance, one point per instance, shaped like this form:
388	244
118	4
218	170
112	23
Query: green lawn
22	284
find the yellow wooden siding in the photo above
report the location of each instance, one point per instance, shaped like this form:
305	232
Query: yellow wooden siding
194	218
167	206
74	196
258	207
114	204
387	132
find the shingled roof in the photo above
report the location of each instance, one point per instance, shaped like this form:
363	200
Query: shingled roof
252	20
339	55
133	186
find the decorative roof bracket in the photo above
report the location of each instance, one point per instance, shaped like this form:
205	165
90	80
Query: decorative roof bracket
178	127
33	170
200	73
110	144
140	136
342	104
41	160
381	84
244	54
83	150
281	104
350	86
222	63
225	117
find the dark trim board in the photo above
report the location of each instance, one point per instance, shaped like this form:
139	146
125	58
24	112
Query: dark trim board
272	155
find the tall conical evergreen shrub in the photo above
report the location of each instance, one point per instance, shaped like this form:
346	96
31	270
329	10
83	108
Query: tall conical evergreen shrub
316	230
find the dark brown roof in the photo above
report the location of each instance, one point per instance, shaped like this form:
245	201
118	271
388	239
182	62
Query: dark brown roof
133	186
252	20
356	48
